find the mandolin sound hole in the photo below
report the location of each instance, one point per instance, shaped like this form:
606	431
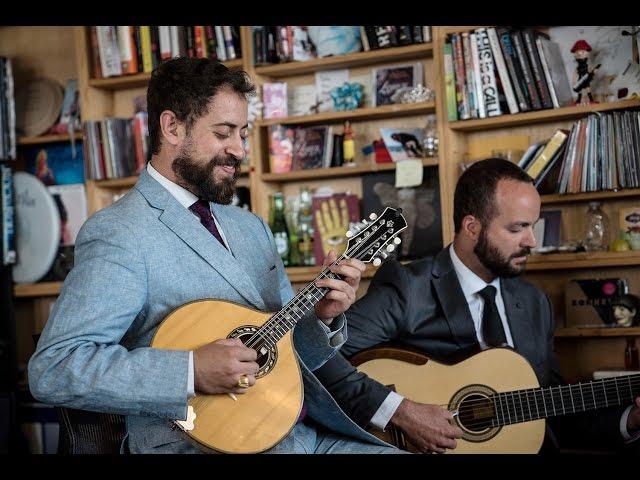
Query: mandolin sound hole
267	356
475	413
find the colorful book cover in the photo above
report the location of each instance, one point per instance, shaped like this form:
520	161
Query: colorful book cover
389	82
55	163
71	201
332	217
312	147
403	144
280	148
275	100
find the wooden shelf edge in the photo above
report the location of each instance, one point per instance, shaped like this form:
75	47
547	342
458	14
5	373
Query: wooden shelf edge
539	116
43	289
569	261
396	109
588	196
63	137
351	60
307	274
320	173
137	80
117	182
569	332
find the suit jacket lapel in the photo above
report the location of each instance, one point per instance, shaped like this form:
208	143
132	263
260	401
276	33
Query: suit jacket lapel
454	305
186	226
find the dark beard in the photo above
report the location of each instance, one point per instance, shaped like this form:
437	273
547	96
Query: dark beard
493	260
199	179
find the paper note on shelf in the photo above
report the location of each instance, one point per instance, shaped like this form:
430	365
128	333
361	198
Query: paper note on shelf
409	173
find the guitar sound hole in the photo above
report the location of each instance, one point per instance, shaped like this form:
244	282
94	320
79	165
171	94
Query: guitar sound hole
266	358
475	413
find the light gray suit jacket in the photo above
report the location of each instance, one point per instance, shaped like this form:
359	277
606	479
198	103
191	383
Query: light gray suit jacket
135	262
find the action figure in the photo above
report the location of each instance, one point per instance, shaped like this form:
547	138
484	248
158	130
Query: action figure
584	75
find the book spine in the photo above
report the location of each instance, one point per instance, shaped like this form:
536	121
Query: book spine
145	37
155	45
198	37
536	68
164	34
109	52
547	73
95	54
469	76
221	50
513	67
526	70
450	83
211	42
487	75
461	97
502	70
128	56
228	43
477	82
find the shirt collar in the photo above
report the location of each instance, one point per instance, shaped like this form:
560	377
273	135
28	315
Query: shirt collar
182	195
469	281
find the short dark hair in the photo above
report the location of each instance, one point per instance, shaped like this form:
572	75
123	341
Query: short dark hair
186	86
476	188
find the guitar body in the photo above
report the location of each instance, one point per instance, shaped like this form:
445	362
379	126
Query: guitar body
266	413
426	381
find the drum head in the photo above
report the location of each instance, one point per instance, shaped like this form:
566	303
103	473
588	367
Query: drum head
37	228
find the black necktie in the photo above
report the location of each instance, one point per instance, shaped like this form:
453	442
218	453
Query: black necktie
492	329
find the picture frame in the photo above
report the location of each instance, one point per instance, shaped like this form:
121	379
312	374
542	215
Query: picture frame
388	81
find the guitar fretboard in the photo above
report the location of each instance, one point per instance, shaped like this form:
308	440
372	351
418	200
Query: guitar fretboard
536	403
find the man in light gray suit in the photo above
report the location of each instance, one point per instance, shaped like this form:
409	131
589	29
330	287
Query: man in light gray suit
175	238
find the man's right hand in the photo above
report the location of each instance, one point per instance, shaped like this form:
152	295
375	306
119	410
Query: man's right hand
427	427
219	365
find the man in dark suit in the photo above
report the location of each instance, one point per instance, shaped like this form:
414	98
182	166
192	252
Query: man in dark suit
467	298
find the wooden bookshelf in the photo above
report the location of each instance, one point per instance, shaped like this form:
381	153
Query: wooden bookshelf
126	82
350	60
43	289
570	332
359	114
570	261
589	196
64	137
539	116
321	173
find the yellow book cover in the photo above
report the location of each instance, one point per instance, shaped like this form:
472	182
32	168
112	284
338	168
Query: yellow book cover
547	154
145	37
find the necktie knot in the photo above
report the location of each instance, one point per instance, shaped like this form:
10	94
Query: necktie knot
488	293
201	208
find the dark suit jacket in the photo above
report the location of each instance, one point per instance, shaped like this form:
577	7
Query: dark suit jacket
421	305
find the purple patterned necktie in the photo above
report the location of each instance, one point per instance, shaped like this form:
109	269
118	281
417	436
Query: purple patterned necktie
201	209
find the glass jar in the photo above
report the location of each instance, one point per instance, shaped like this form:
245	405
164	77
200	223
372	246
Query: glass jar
596	237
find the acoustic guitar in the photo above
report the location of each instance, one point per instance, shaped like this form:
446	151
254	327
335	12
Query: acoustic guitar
260	418
494	396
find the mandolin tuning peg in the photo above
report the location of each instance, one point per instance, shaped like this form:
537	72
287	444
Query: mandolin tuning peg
373	216
391	248
384	255
349	234
377	262
397	240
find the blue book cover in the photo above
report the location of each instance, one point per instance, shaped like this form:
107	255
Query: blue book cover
56	163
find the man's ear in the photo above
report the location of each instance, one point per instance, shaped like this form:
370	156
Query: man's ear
471	227
170	128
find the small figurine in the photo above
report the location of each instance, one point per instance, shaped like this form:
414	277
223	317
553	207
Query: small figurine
625	310
348	146
584	75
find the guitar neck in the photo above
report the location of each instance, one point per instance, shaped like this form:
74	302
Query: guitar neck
536	403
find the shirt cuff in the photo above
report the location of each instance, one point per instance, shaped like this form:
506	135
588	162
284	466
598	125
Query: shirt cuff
623	427
191	391
333	330
382	416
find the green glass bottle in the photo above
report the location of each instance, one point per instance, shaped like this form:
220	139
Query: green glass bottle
279	228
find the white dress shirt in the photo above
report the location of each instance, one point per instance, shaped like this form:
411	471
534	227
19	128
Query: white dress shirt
471	284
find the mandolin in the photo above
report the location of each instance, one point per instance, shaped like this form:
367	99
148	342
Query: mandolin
260	418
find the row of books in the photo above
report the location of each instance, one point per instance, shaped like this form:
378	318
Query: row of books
115	147
124	50
498	70
299	148
282	44
600	152
7	221
7	111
